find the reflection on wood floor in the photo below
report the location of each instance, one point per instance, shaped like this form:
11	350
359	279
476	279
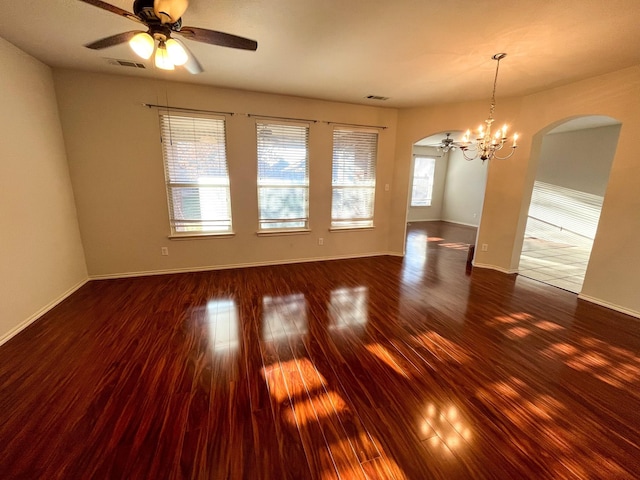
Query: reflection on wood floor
376	368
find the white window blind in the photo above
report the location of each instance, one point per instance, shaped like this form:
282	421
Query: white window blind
283	176
354	178
196	173
424	169
563	208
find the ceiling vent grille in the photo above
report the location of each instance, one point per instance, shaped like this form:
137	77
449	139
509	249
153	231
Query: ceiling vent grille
376	97
124	63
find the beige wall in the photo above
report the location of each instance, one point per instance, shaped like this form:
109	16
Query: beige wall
612	277
115	161
116	168
42	256
464	191
580	160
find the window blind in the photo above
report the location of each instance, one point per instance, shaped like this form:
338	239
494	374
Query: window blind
283	176
353	178
196	173
566	209
422	188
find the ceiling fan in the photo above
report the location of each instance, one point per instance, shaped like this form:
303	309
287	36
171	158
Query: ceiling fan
163	18
446	144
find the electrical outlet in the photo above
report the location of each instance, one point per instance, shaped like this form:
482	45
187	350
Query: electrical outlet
485	247
386	187
321	241
164	251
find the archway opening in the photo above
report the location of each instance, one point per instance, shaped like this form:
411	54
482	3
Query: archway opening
446	193
448	187
570	184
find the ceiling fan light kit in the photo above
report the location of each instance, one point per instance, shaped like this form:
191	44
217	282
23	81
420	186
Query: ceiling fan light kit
143	45
176	52
163	18
162	59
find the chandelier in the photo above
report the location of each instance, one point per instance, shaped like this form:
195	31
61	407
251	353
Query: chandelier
486	145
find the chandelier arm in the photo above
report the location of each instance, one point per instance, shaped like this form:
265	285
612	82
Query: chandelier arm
513	150
468	158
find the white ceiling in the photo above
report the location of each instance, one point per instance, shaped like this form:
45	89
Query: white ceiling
417	52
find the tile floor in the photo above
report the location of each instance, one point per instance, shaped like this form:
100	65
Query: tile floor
553	256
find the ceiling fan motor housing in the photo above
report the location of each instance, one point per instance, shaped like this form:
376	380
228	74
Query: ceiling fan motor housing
144	10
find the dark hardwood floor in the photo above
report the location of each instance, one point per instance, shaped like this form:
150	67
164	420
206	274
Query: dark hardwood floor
377	368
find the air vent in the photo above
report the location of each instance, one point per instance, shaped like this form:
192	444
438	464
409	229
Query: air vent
124	63
376	97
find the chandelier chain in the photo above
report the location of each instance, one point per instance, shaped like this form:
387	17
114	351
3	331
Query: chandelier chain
493	95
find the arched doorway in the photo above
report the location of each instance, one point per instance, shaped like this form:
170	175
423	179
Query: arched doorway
455	186
571	179
444	189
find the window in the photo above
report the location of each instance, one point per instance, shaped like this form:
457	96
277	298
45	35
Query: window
196	173
422	190
283	176
354	178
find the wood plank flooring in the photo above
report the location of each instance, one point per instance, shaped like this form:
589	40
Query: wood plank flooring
378	368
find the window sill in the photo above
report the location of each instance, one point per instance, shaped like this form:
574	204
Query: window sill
349	229
274	232
196	236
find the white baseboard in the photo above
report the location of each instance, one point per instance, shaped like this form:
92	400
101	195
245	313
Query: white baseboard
443	220
460	223
24	324
612	306
494	267
237	265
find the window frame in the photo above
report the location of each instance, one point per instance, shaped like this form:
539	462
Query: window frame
413	180
219	129
263	187
353	223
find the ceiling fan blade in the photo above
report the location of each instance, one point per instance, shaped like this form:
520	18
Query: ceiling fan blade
112	40
113	9
218	38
